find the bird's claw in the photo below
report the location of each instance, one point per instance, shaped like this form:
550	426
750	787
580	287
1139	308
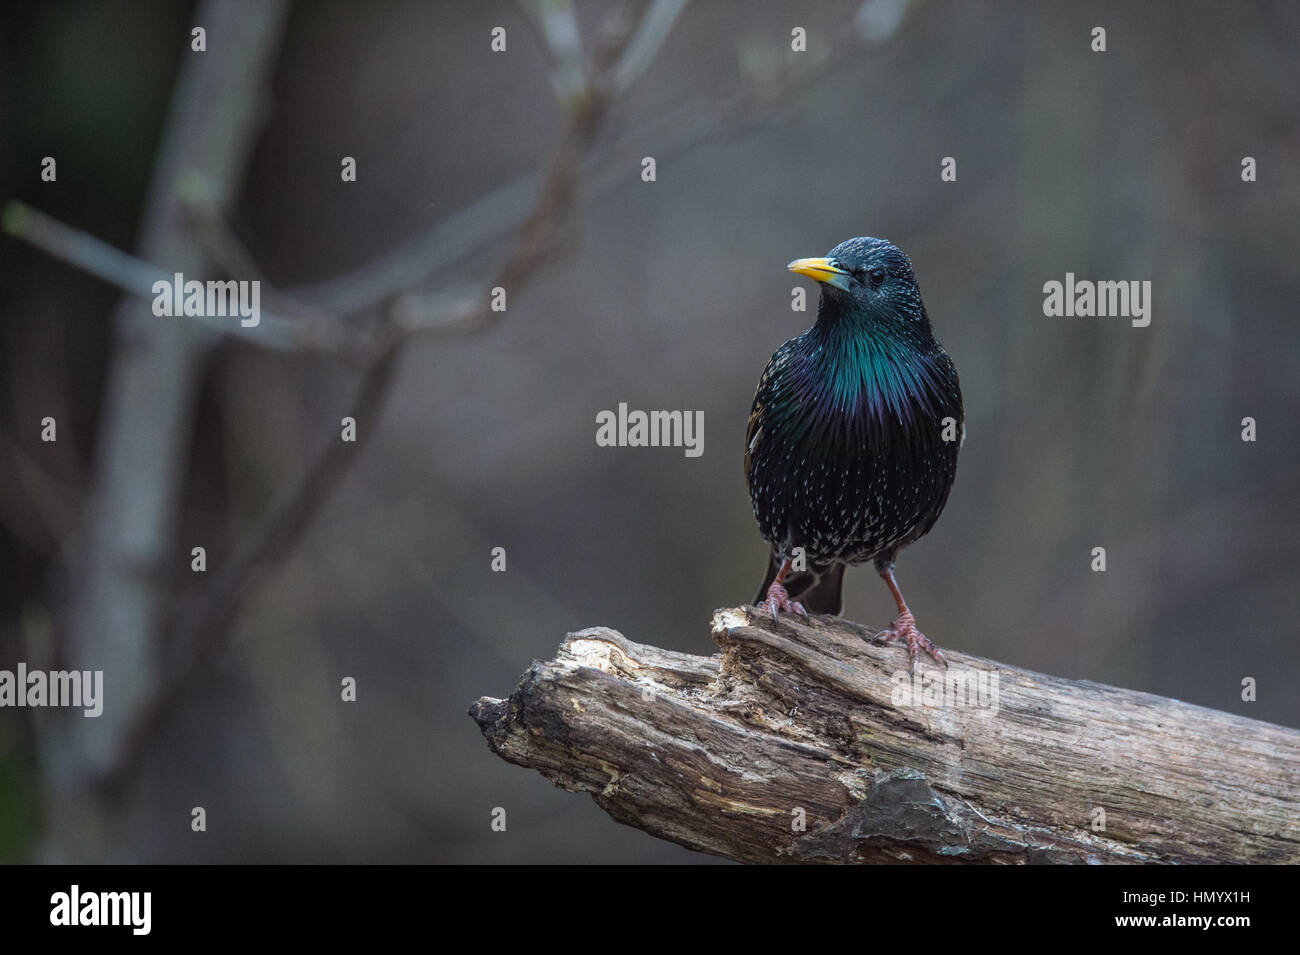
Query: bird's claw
904	629
778	599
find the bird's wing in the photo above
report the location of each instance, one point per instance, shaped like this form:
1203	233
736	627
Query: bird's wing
758	414
752	433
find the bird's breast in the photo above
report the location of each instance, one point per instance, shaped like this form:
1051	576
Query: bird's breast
852	463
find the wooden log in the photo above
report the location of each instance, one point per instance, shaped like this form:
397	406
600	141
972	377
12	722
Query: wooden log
804	742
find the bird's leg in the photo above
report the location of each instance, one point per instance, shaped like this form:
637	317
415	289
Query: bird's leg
904	627
778	598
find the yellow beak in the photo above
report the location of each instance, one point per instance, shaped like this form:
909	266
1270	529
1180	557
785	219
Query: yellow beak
823	270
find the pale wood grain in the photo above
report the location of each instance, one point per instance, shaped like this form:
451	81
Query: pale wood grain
720	753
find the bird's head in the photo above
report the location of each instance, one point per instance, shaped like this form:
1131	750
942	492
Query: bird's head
868	279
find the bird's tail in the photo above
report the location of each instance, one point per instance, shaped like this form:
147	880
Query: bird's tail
819	588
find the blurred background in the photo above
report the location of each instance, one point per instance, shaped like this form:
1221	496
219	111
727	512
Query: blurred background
476	430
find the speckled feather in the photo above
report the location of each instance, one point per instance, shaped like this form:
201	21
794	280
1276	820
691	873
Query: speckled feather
844	451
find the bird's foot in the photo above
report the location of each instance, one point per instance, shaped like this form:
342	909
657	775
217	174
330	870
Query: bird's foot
778	598
904	630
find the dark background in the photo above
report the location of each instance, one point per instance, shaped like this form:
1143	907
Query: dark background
1082	432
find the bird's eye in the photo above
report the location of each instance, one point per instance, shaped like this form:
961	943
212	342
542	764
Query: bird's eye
877	275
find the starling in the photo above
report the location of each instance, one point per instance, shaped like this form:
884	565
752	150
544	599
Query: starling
852	442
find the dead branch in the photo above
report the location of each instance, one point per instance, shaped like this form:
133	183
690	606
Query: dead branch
806	743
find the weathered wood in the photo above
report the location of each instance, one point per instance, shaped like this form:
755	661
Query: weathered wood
726	754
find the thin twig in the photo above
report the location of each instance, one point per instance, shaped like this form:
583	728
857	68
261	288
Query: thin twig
137	277
556	25
637	57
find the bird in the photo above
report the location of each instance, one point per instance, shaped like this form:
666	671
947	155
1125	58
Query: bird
852	442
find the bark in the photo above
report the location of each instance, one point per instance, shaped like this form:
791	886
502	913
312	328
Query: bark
807	743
